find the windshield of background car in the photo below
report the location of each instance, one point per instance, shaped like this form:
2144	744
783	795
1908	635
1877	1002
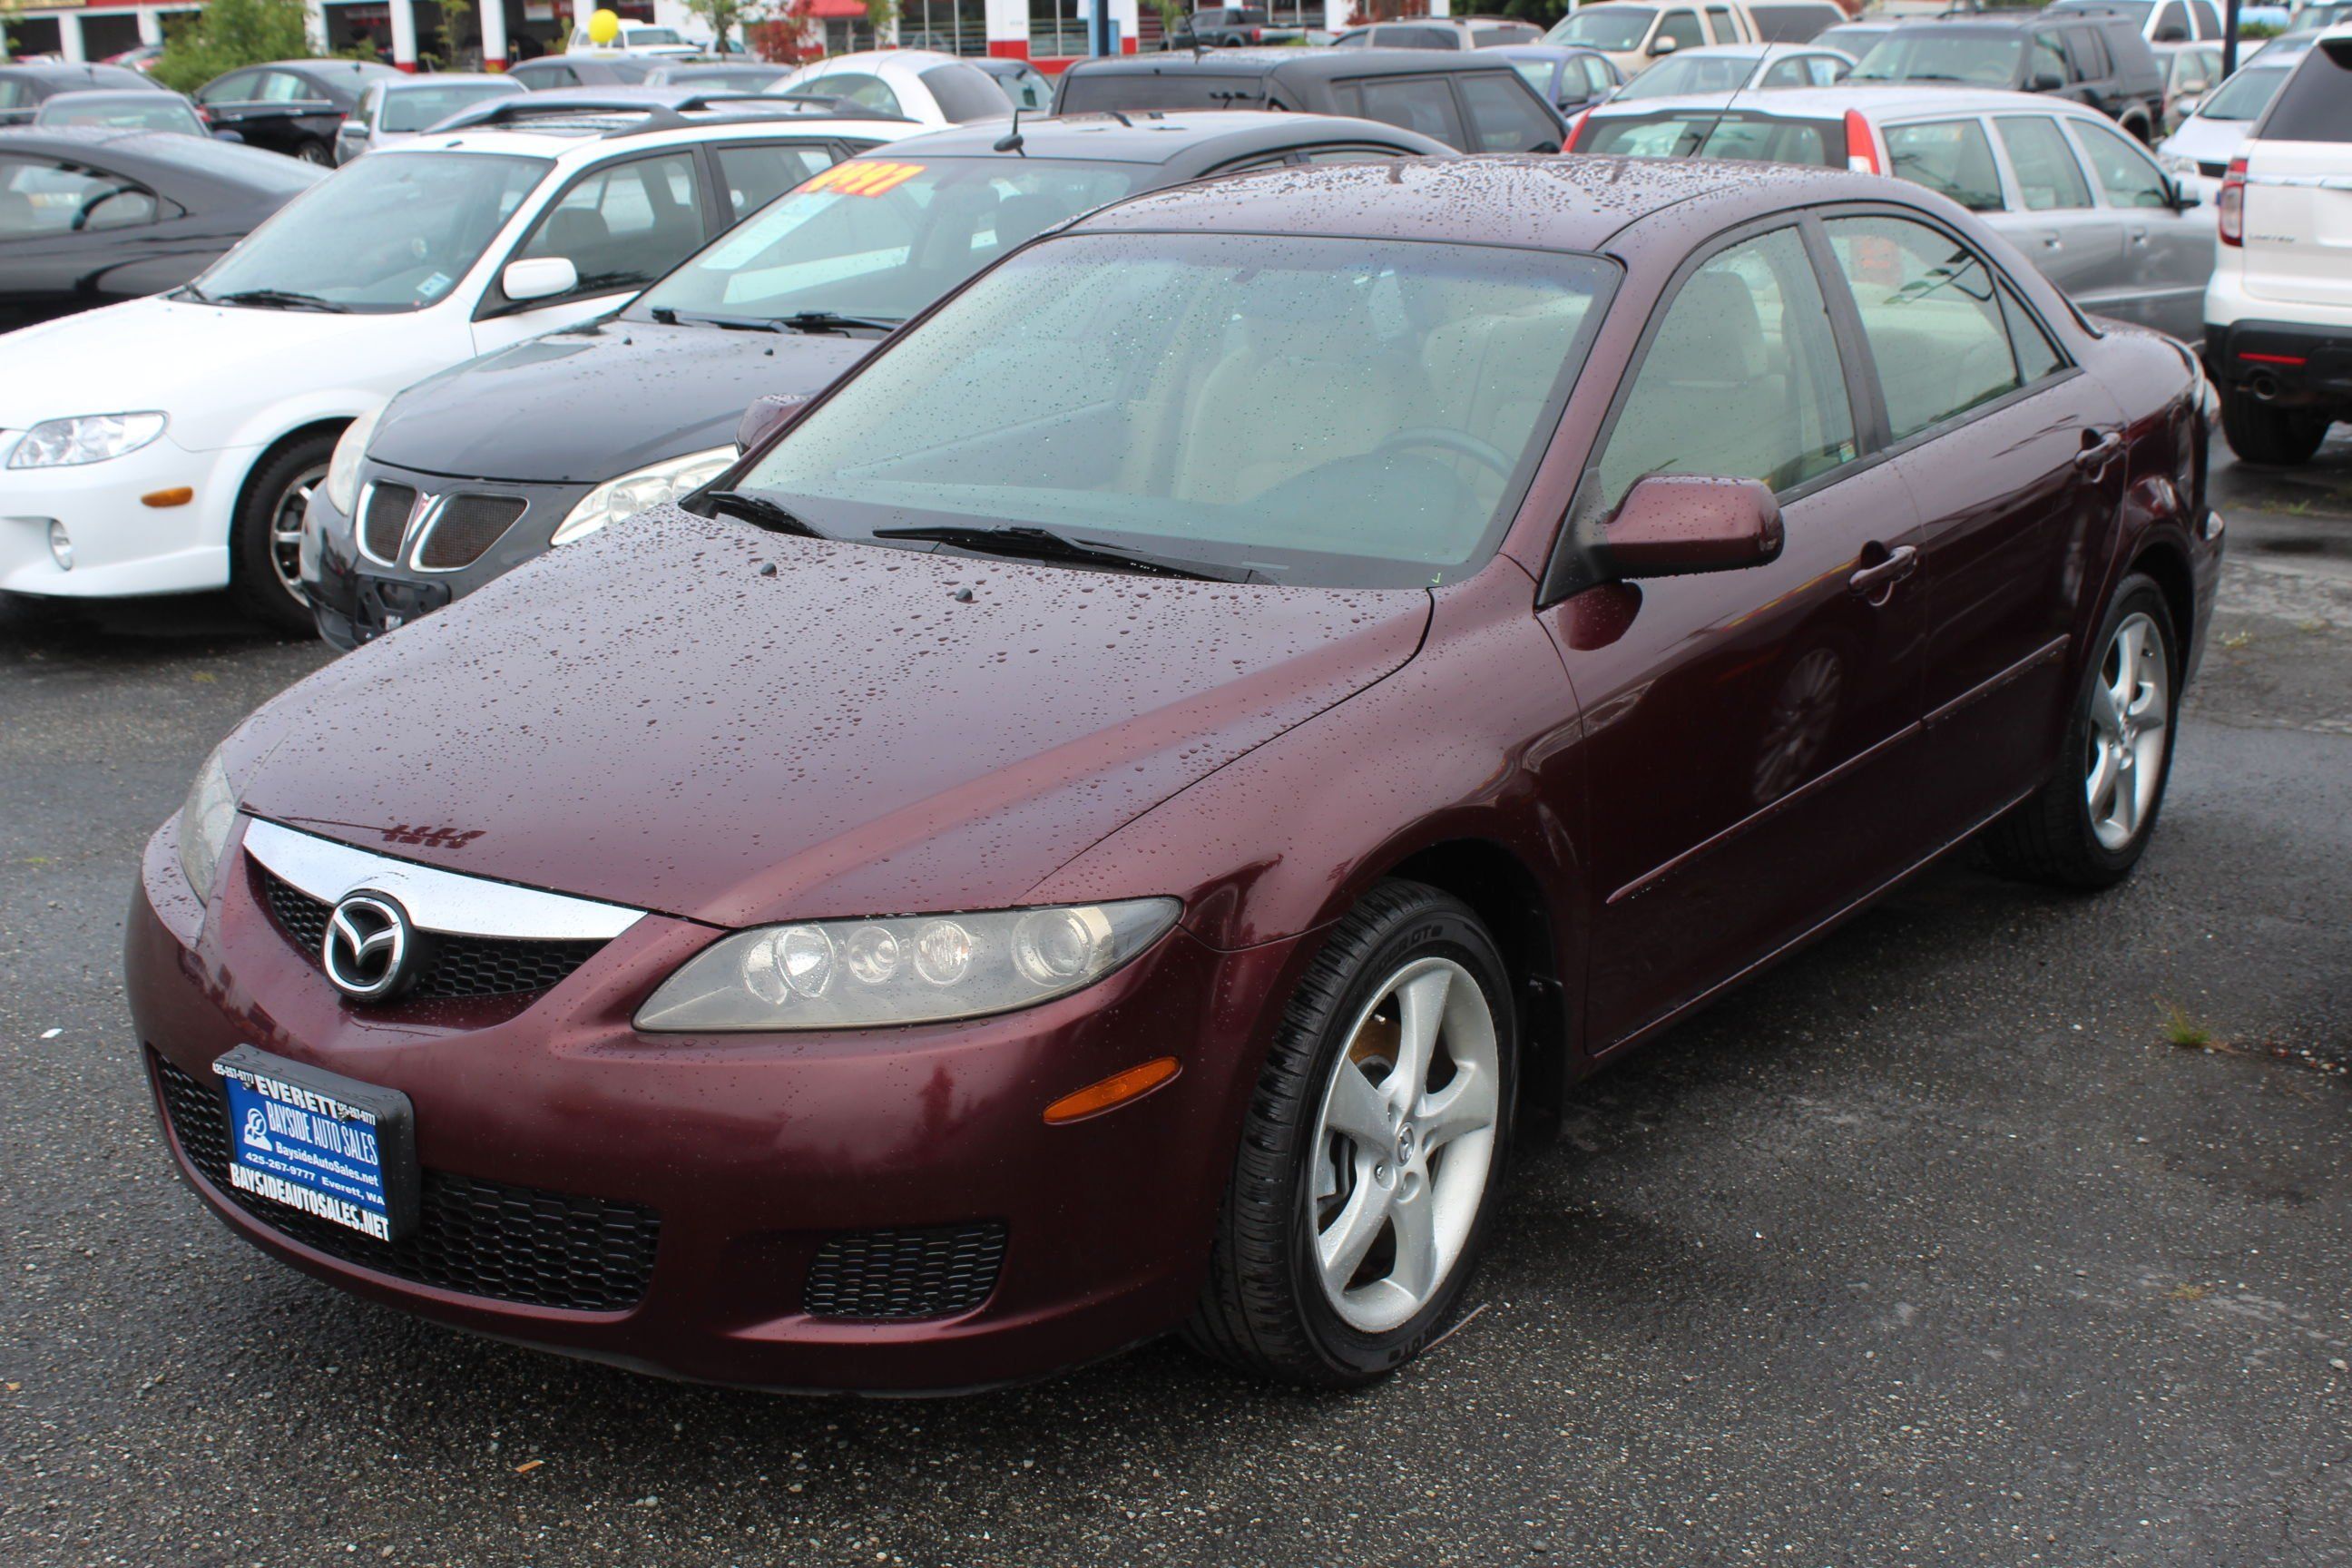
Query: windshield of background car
1335	412
130	110
1696	73
415	107
1984	59
391	232
882	238
1612	27
1716	133
2245	95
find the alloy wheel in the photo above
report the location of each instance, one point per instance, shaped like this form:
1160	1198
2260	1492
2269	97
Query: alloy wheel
1404	1144
2131	713
286	532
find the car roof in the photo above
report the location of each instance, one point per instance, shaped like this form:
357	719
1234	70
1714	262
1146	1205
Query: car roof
1315	64
63	70
1152	136
402	82
122	94
323	67
912	59
590	137
1876	100
1543	201
569	116
1544	51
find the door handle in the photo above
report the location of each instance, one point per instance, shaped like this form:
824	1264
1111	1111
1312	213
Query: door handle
2052	242
2093	456
1873	582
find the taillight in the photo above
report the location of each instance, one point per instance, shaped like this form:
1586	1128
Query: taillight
1576	131
1860	147
1258	34
2232	204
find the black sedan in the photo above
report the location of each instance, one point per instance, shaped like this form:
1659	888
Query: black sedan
23	88
294	106
473	472
93	214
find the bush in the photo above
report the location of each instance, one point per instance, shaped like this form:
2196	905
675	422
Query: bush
227	34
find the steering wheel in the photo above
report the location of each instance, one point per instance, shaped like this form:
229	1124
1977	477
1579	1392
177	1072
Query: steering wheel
1485	453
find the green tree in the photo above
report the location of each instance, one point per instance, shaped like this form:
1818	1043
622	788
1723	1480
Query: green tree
881	16
727	16
227	34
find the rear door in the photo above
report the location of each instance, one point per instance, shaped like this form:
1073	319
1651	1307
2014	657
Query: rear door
2298	220
2052	214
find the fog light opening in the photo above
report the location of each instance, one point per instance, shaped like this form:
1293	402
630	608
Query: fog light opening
1120	1088
60	546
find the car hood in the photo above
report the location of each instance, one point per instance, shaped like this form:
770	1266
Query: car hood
604	399
185	359
692	716
2207	140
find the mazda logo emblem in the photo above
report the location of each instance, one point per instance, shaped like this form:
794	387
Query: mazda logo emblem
368	947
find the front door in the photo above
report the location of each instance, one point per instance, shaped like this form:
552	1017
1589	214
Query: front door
1747	733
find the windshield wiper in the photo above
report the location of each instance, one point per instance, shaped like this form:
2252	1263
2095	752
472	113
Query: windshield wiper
832	322
671	316
190	291
760	511
284	298
1044	544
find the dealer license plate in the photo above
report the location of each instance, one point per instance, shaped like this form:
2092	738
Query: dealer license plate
318	1141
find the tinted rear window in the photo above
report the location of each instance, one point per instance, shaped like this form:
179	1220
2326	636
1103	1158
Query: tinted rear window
1792	24
2316	104
967	93
1089	91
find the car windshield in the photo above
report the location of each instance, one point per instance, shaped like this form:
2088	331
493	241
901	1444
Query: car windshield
416	108
1717	133
1328	411
880	238
135	110
1689	73
653	37
1986	59
1610	26
2245	95
391	232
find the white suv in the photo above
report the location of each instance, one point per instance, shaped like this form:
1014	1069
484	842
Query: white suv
2278	314
169	444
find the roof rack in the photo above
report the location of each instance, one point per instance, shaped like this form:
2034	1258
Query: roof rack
653	109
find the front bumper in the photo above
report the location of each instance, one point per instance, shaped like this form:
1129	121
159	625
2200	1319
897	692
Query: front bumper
122	548
756	1153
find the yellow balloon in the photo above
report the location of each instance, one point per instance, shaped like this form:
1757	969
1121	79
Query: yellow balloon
604	27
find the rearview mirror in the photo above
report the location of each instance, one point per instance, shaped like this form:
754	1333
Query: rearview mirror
1673	525
768	416
538	277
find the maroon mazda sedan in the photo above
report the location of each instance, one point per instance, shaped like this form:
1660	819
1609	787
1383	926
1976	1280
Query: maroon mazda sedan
1108	821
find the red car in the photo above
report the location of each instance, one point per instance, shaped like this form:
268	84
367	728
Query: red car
1107	821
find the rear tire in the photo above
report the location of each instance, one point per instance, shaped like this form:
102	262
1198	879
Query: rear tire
318	152
264	543
1360	1196
2260	432
2088	827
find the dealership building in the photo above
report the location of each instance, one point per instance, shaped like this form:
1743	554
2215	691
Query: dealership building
1050	32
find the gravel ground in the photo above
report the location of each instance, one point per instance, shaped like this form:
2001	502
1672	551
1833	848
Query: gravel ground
2001	1227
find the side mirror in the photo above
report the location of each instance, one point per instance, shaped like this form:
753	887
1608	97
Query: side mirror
2046	81
538	277
1673	525
227	136
768	416
2184	194
1662	45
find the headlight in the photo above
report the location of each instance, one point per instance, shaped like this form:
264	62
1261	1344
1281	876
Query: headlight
2175	163
861	974
343	468
85	439
205	817
633	493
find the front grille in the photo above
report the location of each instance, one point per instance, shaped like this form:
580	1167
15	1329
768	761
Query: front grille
2214	171
455	967
464	528
386	520
933	1273
476	1237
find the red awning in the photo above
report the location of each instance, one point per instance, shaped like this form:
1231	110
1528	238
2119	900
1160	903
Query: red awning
836	8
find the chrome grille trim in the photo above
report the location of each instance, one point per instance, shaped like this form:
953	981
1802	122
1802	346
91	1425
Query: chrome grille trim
436	900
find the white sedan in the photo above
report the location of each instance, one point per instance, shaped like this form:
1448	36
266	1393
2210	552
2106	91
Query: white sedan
931	88
169	444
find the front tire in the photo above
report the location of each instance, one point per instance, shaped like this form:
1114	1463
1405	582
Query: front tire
1371	1151
2265	433
318	152
2090	823
265	536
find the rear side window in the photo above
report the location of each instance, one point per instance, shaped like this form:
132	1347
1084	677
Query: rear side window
2048	178
2315	105
966	93
757	172
2128	176
1504	117
1086	92
1950	157
39	198
1932	315
1422	104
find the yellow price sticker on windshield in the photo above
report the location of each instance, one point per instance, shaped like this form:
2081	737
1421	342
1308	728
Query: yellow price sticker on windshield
859	178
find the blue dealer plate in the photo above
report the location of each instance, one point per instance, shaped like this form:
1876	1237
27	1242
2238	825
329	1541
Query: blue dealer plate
319	1142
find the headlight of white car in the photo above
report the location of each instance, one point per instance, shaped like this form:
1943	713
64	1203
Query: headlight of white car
84	438
2177	162
633	493
205	817
343	468
862	975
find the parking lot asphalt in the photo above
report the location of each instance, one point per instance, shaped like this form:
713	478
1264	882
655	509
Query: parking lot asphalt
2001	1227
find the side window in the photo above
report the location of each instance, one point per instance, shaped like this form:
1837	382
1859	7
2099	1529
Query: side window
283	87
2036	356
1741	380
626	224
39	198
1787	73
2128	176
1360	38
1597	75
1505	116
1950	157
2048	64
1828	70
866	92
2048	177
1682	26
1719	23
2172	23
1422	104
2088	52
1931	315
238	87
2209	20
757	174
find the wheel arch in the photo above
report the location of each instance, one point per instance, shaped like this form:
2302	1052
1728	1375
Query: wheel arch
2167	565
331	426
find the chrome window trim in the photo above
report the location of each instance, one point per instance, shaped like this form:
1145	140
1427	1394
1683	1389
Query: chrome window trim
436	900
